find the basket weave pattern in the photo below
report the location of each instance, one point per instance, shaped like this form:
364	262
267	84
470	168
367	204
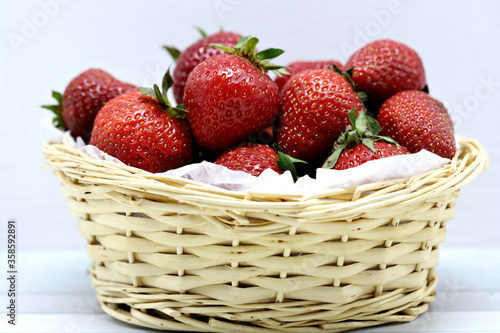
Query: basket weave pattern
175	254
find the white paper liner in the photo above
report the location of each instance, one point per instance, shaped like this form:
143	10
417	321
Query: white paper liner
394	167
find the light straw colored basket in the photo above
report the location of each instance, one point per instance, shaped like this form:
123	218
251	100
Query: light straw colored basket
178	255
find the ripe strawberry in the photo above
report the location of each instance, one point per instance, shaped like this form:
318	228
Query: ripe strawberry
299	66
385	67
83	97
230	97
359	154
315	108
418	121
195	54
144	131
251	158
361	143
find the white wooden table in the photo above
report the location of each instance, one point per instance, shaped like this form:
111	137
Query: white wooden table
56	296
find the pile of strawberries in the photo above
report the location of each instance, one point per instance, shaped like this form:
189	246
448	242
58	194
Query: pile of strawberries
231	112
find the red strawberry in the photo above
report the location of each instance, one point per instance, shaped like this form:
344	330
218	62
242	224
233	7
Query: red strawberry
315	108
230	97
251	158
144	131
194	54
385	67
418	121
84	96
359	154
299	66
361	143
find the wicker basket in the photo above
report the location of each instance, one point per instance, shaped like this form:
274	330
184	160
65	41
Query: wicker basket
178	255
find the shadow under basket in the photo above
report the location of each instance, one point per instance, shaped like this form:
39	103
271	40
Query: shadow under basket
175	254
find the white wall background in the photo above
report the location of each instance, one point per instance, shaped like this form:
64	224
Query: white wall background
44	43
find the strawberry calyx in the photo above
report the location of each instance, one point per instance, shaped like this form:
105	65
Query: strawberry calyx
347	74
57	109
161	96
245	48
363	130
286	162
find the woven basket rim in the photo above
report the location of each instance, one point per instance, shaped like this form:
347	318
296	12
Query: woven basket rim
469	161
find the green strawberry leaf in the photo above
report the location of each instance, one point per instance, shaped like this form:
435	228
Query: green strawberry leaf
352	117
57	109
147	91
268	54
361	122
281	71
241	42
385	138
249	47
202	32
363	96
222	47
369	143
177	112
167	83
332	159
286	162
174	52
373	126
159	95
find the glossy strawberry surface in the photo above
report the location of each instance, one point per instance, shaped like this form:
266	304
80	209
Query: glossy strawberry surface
195	54
136	130
315	111
418	121
250	158
360	154
385	67
228	99
299	66
85	95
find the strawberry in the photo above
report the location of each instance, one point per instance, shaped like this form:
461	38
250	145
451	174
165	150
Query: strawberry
83	97
195	54
315	112
229	97
254	158
144	131
361	143
418	121
359	154
299	66
251	158
385	67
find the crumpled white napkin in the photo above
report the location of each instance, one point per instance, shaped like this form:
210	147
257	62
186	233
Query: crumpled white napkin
394	167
